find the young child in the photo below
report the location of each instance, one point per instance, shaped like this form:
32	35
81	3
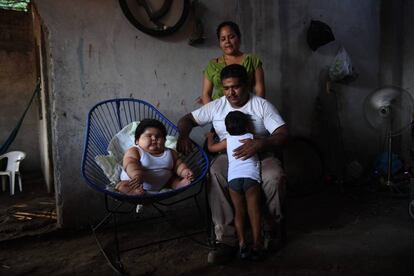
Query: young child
149	166
244	181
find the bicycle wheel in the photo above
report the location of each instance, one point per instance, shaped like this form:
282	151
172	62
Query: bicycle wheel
411	209
158	21
304	166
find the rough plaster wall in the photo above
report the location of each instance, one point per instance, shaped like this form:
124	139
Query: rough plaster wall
407	64
17	81
96	54
407	47
310	110
296	76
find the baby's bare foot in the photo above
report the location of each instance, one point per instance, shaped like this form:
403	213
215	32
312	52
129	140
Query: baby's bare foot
137	192
182	183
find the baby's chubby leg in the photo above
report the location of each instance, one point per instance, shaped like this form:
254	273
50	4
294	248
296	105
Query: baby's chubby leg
177	182
125	187
186	177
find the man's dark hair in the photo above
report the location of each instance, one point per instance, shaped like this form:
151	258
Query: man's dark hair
146	123
230	24
235	71
237	123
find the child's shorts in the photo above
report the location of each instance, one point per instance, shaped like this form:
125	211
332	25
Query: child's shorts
241	185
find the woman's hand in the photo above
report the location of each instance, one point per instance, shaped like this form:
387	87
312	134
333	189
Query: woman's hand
199	100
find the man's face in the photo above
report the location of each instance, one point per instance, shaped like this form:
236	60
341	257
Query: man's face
235	92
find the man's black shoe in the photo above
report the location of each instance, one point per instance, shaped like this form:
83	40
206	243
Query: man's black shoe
222	254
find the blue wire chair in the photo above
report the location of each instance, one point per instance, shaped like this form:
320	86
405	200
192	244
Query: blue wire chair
104	121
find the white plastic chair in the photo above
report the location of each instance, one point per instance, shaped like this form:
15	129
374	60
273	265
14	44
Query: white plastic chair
12	170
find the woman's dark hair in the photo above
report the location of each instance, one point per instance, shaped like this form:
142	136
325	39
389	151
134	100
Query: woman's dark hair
237	123
235	71
146	123
232	25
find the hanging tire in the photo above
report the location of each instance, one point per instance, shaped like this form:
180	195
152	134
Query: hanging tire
304	166
411	209
155	31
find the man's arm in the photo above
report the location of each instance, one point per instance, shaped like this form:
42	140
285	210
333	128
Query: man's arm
185	125
252	146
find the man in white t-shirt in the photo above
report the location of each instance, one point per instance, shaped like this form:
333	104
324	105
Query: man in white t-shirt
270	134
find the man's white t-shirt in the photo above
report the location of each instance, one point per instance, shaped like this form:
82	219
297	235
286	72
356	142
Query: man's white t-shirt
265	117
238	168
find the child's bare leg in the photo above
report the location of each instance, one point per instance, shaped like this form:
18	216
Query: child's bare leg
253	208
177	182
240	214
124	187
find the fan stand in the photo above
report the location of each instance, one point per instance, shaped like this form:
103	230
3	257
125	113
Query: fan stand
381	107
393	186
389	183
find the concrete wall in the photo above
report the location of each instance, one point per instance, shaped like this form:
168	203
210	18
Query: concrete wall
45	145
17	83
97	54
408	46
407	65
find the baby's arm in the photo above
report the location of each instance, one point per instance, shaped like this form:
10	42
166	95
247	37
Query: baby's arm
133	168
215	147
181	168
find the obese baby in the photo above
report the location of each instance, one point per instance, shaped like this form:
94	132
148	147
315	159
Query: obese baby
148	166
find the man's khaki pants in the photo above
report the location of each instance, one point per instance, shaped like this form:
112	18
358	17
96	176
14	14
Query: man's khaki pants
220	202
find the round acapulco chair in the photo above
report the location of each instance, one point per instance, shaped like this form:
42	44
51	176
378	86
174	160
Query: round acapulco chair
104	121
12	170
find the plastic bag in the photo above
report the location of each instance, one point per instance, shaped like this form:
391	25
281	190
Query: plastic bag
341	68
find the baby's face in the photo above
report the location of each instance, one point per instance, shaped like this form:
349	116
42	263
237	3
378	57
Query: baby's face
152	141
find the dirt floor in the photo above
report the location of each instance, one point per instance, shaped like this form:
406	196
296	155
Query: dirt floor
340	230
30	212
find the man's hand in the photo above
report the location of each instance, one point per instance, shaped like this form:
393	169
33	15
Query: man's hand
252	146
184	145
249	148
185	125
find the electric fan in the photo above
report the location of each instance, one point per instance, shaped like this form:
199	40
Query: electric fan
389	108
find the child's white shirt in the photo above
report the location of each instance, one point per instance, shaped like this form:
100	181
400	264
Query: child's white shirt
238	168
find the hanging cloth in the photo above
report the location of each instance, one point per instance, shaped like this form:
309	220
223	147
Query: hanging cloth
5	146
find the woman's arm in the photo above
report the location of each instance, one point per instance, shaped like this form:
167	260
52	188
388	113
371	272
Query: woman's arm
259	85
215	147
207	91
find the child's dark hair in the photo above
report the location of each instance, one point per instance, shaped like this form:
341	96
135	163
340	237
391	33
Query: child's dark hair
146	123
237	123
230	24
235	71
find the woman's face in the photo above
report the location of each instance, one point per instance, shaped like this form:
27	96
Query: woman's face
229	41
152	141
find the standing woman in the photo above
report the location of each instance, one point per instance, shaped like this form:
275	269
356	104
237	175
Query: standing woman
228	34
